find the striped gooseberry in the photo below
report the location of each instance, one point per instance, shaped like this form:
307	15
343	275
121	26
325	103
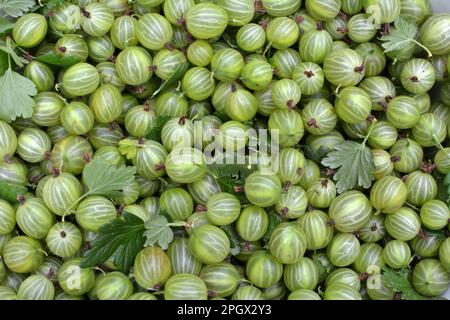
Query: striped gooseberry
75	280
177	133
252	224
200	53
397	254
344	68
133	65
41	75
177	203
402	225
282	32
206	20
100	48
284	61
251	37
124	32
434	34
77	118
33	145
317	228
97	19
370	259
323	10
222	209
209	244
292	203
315	45
34	218
288	243
418	76
403	112
29	30
373	230
221	279
421	187
257	74
388	194
36	287
321	193
94	211
71	154
429	277
350	211
262	189
343	249
152	267
64	239
263	270
65	18
80	79
22	254
353	105
374	58
385	11
301	275
407	155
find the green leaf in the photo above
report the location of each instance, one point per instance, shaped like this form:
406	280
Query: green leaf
438	234
16	8
274	220
181	70
54	3
5	25
155	131
122	237
231	177
58	60
446	184
222	116
402	36
102	178
15	96
9	192
235	171
3	62
315	155
128	148
232	234
399	282
8	47
442	190
158	232
354	164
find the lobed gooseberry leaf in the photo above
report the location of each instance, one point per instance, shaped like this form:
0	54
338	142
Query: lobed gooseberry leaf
5	25
354	164
399	282
102	178
234	238
15	96
155	131
122	238
402	36
3	62
181	70
8	47
315	155
58	60
16	8
159	231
